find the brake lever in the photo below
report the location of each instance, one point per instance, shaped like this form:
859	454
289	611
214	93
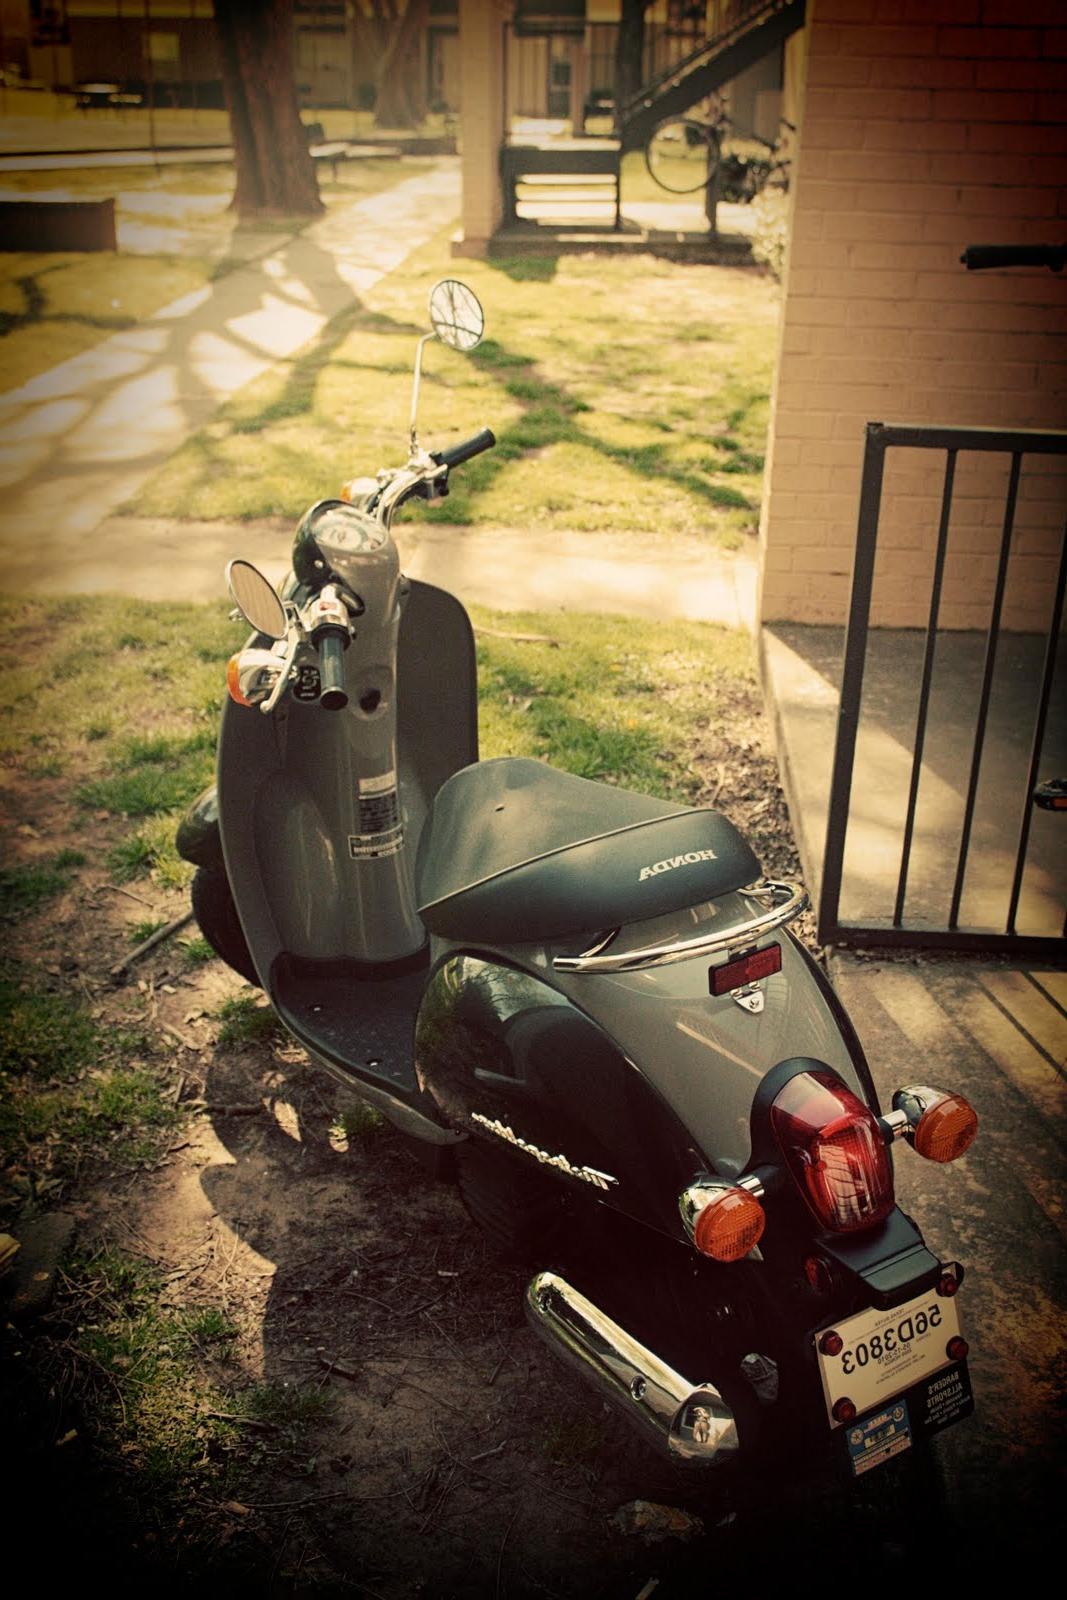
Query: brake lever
288	662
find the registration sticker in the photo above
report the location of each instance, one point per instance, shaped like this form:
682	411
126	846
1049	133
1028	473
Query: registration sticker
923	1410
877	1438
884	1352
381	831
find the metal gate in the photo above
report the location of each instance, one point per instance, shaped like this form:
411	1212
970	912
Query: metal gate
946	928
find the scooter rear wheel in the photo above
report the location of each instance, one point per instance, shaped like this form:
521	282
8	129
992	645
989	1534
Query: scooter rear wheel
217	916
523	1213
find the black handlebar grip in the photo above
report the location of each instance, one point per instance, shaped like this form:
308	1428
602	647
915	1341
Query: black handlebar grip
331	646
978	256
485	439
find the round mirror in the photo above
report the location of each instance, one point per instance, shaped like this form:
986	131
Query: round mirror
457	315
255	599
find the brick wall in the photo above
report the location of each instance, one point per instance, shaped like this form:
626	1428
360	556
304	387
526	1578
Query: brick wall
927	125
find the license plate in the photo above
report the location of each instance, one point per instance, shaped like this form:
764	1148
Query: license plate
885	1352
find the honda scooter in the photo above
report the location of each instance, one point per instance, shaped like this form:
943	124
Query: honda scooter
584	1004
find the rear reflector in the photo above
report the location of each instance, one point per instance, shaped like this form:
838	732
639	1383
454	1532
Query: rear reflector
835	1151
749	968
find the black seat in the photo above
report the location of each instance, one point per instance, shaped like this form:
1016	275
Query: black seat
513	850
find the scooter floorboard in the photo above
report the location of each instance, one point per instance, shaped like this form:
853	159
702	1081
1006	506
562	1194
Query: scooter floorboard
364	1025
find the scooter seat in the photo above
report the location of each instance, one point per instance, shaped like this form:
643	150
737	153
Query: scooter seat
514	851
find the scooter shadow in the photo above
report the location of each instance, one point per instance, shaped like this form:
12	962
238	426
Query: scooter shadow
446	1433
444	1437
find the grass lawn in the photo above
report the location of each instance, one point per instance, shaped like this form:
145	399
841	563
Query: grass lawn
175	234
626	395
108	720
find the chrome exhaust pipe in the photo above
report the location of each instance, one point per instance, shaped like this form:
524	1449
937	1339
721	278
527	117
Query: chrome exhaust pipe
692	1422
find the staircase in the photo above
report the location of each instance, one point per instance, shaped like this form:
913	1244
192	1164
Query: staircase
753	29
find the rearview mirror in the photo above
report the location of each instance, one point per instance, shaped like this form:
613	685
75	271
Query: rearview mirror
456	314
256	600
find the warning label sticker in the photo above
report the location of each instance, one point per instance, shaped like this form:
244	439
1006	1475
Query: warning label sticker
380	830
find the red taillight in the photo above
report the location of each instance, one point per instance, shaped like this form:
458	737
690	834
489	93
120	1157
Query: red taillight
831	1344
947	1285
957	1348
749	968
844	1410
835	1150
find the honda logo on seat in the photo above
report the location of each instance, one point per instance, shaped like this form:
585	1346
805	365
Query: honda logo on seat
688	860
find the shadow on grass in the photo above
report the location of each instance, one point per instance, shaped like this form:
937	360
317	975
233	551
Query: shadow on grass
35	311
549	419
550	416
526	269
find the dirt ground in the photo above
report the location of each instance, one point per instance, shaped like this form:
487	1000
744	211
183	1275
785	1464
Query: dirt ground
453	1455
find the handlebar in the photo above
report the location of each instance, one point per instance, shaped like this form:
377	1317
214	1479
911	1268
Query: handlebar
456	454
331	646
979	256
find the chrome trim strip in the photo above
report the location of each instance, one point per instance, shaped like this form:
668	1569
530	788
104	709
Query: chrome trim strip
690	1421
789	900
396	1111
895	1125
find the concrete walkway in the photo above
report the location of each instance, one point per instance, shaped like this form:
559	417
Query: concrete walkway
802	672
507	568
80	440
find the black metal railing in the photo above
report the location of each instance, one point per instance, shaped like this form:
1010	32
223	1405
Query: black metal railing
750	30
871	930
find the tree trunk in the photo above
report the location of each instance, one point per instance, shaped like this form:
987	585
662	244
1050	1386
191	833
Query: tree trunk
275	173
401	73
630	51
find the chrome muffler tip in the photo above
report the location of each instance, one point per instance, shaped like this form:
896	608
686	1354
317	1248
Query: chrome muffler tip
691	1422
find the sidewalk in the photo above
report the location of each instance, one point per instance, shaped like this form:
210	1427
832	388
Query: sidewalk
80	440
507	568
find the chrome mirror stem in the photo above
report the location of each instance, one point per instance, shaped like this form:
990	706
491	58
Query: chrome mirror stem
413	438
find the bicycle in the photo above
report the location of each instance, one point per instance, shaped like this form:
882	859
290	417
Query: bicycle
684	155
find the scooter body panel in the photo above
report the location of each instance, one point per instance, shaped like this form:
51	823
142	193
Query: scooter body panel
508	1058
643	1074
320	813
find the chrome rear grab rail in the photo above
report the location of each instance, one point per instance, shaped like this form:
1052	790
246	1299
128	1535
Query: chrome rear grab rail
787	901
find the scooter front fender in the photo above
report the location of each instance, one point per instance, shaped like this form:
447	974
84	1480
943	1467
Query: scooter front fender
198	838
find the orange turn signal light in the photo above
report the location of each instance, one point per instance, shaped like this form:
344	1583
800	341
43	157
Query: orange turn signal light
729	1225
946	1129
233	680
